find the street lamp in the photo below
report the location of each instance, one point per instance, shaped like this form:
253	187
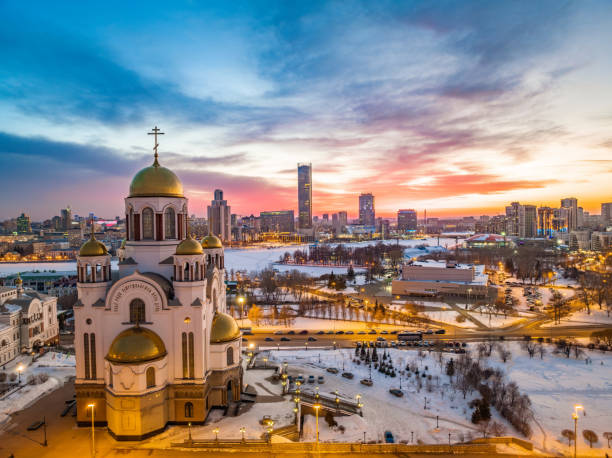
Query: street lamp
93	443
317	407
189	428
241	302
216	431
242	430
20	369
575	417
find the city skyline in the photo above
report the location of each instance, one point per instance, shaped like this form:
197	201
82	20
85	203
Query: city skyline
461	121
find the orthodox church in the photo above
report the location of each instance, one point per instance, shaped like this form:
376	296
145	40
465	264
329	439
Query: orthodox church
154	345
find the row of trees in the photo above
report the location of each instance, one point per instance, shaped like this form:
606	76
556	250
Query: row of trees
340	254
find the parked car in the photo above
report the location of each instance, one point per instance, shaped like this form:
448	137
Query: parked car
303	331
311	339
348	375
247	333
291	333
278	333
361	332
350	332
311	379
396	392
329	332
339	332
429	331
367	382
441	331
300	378
320	333
372	331
384	331
269	339
381	339
320	379
389	437
285	339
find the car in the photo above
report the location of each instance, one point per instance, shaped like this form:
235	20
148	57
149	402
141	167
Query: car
429	331
395	331
350	332
269	339
291	333
393	343
244	339
312	339
303	331
339	332
441	331
285	339
320	379
367	382
300	378
320	333
384	331
348	375
381	339
389	437
402	343
311	379
373	331
278	333
397	393
329	332
361	332
332	370
247	333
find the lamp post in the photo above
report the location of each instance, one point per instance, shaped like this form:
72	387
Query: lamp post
575	417
241	302
93	443
242	430
19	371
216	431
317	407
45	431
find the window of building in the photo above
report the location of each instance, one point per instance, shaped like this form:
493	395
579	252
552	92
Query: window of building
137	311
191	356
131	224
230	356
92	345
150	377
147	224
170	223
188	410
184	346
86	354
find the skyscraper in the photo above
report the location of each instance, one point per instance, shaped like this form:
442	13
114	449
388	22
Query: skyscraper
277	221
528	221
606	213
545	221
571	206
305	196
23	224
219	217
406	220
66	218
367	214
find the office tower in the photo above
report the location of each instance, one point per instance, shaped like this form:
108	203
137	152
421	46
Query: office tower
23	224
326	218
219	217
367	213
606	213
545	221
570	204
305	196
406	220
277	221
512	219
66	218
528	221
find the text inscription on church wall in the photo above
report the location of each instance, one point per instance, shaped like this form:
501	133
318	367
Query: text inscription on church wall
126	289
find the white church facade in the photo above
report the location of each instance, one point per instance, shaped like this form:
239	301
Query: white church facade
154	345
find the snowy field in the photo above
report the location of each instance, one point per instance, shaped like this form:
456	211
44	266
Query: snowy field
321	324
56	365
582	317
448	317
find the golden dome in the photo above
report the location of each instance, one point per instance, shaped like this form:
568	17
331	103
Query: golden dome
136	345
93	247
224	328
18	280
156	181
212	241
189	246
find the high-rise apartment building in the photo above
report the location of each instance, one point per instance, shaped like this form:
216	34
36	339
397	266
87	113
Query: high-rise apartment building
512	219
570	204
406	220
277	221
66	218
545	221
367	214
606	213
305	196
23	224
219	217
528	221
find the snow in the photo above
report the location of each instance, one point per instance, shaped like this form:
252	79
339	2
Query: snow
448	317
596	316
321	324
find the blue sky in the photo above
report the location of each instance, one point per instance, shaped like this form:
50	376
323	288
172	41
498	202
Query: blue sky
457	107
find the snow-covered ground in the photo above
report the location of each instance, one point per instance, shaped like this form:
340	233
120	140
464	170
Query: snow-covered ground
596	316
321	324
57	366
448	317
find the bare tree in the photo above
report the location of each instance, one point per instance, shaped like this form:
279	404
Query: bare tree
569	435
590	437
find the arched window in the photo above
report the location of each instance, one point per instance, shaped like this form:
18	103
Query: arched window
170	223
184	346
150	377
110	378
86	354
186	272
92	346
230	356
191	356
137	311
147	224
188	410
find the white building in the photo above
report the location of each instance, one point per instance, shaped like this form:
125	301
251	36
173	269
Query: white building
154	346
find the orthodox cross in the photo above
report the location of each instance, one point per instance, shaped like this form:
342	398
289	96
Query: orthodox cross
155	131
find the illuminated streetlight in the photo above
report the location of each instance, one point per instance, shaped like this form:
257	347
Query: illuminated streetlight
241	302
20	369
216	431
575	417
242	430
317	407
93	443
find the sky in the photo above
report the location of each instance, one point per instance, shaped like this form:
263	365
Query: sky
457	107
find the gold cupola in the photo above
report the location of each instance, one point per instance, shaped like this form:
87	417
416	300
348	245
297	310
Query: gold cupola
224	328
93	247
156	181
211	241
136	345
189	246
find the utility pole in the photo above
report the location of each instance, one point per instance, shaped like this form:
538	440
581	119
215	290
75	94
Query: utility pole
45	431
